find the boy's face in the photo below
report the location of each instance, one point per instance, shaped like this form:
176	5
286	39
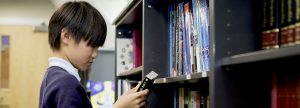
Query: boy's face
80	54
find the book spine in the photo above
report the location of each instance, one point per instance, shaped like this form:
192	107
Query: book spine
182	39
207	55
265	25
298	90
181	45
205	35
199	31
173	40
137	48
196	36
170	40
284	23
297	21
291	22
274	24
177	40
187	40
274	91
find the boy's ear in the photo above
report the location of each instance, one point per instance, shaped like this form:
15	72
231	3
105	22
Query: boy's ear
65	36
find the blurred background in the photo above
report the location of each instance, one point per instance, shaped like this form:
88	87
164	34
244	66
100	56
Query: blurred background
25	50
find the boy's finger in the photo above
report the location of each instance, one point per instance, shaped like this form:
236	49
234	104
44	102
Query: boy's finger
142	93
136	87
143	104
133	90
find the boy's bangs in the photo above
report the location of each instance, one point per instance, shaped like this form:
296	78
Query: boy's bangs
90	27
96	36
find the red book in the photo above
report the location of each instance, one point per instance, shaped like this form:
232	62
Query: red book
137	48
274	91
284	36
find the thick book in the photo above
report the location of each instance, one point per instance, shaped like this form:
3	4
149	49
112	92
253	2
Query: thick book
274	24
297	22
291	22
284	23
265	24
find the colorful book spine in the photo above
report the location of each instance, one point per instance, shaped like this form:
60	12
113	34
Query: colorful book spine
188	37
188	46
170	15
197	38
177	42
205	34
180	35
200	35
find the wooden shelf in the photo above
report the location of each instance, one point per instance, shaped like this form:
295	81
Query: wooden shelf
132	72
130	14
262	55
194	77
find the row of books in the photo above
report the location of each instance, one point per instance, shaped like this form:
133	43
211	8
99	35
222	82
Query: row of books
189	37
186	98
285	92
129	50
281	23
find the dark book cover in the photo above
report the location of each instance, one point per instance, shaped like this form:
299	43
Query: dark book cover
203	100
265	24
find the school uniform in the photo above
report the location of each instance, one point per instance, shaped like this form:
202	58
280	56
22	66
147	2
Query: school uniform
61	87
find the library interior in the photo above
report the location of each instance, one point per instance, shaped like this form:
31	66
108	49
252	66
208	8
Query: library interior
186	53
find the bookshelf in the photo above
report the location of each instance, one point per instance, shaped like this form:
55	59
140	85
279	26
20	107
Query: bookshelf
262	55
133	71
129	14
150	16
133	74
240	74
191	78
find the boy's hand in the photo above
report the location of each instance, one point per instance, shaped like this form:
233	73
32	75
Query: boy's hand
132	99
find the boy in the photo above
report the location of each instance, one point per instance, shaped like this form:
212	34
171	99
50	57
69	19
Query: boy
76	30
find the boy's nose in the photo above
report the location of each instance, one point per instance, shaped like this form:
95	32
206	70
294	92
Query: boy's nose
94	55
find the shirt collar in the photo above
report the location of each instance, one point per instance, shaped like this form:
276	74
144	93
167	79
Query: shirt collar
56	61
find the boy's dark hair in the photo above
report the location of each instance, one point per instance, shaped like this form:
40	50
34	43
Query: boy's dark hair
80	19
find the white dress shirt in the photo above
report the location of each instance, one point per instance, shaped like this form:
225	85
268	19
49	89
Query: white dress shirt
56	61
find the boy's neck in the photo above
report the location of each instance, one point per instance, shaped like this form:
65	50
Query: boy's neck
60	55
